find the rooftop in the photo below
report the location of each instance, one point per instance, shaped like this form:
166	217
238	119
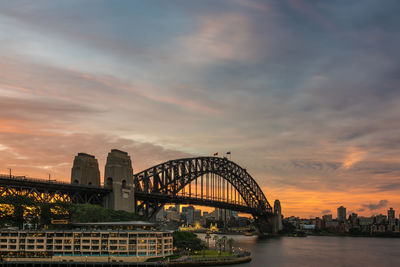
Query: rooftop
135	223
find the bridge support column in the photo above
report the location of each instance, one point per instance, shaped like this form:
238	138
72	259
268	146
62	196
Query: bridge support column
118	175
268	225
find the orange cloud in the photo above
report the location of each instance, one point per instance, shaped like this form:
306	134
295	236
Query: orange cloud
353	156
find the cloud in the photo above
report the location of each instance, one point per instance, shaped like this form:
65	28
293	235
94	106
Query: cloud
225	37
326	211
37	155
254	4
352	158
381	204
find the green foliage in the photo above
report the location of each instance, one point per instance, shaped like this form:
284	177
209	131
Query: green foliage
187	241
210	254
21	204
94	213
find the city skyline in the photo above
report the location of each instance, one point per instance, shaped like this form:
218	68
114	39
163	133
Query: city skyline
303	94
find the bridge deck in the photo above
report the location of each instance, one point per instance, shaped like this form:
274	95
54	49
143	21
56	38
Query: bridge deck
22	182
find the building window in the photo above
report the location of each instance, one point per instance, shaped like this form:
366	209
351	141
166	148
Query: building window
109	182
124	185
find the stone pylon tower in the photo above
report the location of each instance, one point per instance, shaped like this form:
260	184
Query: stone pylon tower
85	170
278	213
118	176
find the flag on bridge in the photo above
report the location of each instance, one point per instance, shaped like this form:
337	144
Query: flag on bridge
215	154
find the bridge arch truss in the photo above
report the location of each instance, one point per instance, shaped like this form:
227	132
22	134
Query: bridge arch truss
224	183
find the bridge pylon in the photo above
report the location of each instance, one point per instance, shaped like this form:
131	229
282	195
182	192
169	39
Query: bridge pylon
118	176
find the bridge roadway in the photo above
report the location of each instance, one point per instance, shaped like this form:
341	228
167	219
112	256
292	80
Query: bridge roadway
44	190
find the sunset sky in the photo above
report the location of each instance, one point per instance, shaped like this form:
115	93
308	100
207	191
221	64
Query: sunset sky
305	94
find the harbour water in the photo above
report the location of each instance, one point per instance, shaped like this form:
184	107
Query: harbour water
319	251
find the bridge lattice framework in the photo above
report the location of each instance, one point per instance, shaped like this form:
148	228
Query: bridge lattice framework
208	181
51	191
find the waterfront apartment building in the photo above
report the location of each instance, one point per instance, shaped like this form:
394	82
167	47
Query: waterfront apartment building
92	241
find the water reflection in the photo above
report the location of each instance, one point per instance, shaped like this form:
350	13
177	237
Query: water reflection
318	251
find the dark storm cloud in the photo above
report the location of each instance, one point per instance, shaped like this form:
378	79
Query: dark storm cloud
381	204
326	211
390	186
316	165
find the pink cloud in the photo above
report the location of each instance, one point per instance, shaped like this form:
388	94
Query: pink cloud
219	38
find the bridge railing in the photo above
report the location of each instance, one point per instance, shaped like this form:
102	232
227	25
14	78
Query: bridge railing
41	180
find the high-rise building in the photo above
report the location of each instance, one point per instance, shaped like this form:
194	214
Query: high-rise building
327	217
380	219
391	214
341	214
197	215
223	214
190	215
85	170
354	218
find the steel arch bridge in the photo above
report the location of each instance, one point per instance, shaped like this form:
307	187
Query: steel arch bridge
208	181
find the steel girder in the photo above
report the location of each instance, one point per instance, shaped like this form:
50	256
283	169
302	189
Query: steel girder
45	191
161	183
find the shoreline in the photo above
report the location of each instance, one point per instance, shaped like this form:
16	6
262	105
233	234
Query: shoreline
341	235
211	262
215	262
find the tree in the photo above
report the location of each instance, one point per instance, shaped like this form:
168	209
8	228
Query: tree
216	238
220	243
224	242
230	242
207	237
187	241
21	206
